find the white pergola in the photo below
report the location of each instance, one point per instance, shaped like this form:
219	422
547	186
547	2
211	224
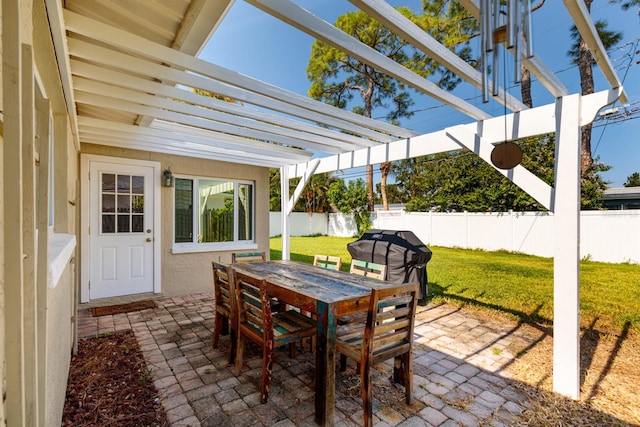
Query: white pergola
127	70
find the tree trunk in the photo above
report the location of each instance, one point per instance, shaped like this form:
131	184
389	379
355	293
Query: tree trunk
586	84
384	172
370	186
525	86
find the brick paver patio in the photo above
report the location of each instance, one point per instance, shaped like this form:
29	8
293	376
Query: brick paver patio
459	377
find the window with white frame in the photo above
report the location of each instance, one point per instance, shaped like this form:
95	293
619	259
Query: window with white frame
213	213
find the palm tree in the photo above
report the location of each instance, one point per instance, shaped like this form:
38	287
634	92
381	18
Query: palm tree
580	55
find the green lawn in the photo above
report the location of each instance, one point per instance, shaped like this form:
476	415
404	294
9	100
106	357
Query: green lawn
516	284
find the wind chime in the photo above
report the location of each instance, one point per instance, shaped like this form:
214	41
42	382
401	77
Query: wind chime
506	23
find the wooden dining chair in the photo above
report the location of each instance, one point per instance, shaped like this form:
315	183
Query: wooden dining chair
368	269
387	333
224	308
248	256
257	322
328	261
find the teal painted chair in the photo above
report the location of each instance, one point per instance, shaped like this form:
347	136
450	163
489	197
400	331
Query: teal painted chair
248	256
368	269
327	261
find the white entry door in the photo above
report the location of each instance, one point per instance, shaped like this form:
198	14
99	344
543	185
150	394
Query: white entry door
121	229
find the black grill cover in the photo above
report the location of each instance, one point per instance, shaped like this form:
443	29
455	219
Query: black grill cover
402	252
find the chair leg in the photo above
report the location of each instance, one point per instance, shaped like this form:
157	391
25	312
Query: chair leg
343	363
225	326
217	328
267	363
407	360
293	350
367	402
239	354
234	345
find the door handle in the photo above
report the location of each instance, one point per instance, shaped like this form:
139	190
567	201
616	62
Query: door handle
149	239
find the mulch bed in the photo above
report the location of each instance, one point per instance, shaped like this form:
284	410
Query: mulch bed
110	385
122	308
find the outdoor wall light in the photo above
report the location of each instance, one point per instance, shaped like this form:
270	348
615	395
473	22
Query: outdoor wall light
167	178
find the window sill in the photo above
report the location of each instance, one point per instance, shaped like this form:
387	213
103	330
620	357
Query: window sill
61	247
190	248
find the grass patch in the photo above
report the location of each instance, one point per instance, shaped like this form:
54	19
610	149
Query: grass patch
513	283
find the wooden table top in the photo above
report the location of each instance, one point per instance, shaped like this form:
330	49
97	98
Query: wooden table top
321	284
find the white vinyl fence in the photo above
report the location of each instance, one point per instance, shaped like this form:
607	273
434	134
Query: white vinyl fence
607	236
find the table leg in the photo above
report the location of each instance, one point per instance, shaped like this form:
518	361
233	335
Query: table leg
325	365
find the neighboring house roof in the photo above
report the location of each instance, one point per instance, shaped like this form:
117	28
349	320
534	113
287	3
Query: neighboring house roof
622	193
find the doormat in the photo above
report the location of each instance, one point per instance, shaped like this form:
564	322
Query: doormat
122	308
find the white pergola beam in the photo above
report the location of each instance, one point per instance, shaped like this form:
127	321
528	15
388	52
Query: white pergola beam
253	137
402	26
131	43
107	58
115	78
215	141
313	165
535	121
301	19
224	122
173	150
519	175
178	144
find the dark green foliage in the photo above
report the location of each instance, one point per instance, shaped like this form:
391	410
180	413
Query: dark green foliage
313	197
351	198
462	181
633	180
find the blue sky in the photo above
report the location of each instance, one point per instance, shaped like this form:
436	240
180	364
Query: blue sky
253	43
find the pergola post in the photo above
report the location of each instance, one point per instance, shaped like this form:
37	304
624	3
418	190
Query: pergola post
284	209
566	263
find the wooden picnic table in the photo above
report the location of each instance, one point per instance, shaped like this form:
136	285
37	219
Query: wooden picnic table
327	293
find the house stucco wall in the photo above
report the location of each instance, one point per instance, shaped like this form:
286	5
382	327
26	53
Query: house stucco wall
59	318
35	352
59	344
190	273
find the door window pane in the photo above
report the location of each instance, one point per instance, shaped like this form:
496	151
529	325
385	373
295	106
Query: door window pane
108	203
108	183
137	204
137	223
137	184
124	183
123	203
108	223
118	197
123	223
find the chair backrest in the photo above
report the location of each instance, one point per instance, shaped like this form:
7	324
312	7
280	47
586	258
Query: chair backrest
368	269
327	261
248	256
390	320
222	287
254	309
